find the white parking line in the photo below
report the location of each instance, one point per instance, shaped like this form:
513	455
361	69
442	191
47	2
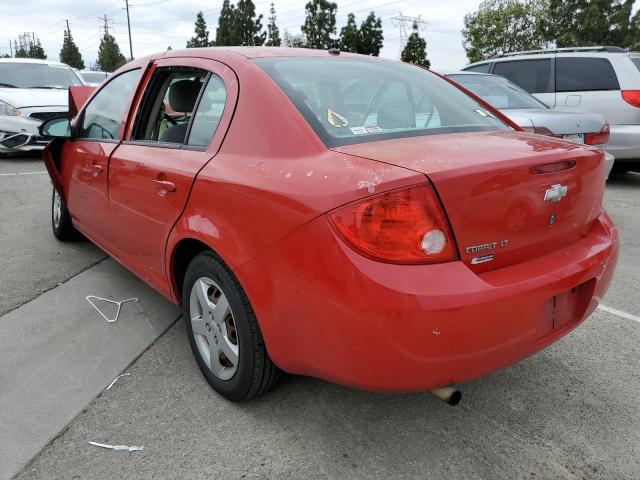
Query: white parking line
619	313
21	173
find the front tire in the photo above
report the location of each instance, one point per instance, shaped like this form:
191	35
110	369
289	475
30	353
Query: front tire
223	331
61	224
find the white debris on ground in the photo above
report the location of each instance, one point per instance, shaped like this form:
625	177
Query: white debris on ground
116	379
90	299
127	448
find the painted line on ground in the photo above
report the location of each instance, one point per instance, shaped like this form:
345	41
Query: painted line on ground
21	173
619	313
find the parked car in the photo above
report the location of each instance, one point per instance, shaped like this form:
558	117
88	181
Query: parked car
532	115
334	215
93	77
31	91
603	80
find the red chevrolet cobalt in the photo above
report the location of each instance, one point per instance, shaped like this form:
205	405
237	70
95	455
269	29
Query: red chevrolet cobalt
354	219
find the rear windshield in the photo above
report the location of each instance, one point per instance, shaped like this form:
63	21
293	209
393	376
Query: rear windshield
348	101
497	91
93	77
37	75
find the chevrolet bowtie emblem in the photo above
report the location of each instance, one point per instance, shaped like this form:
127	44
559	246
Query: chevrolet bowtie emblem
555	193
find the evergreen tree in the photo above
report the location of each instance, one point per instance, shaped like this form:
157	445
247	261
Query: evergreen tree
70	54
36	50
371	37
109	56
227	33
415	51
319	24
248	26
21	51
350	36
201	37
273	39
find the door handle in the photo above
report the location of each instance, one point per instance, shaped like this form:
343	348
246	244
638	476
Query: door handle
164	186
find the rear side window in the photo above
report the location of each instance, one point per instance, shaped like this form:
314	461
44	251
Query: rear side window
483	68
636	62
102	117
534	76
585	74
207	116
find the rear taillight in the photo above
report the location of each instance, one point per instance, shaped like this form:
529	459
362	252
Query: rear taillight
540	131
632	97
403	226
598	138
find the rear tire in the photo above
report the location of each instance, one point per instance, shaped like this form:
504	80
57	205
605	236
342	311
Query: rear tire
223	331
61	224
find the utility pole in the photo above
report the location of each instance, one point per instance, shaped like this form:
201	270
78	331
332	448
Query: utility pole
106	26
11	48
406	24
67	27
129	28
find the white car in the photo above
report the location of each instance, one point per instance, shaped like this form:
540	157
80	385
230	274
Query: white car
603	80
533	116
31	91
93	77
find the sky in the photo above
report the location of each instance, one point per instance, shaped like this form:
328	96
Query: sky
157	24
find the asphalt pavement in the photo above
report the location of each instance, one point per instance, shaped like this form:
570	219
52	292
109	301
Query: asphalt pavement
570	411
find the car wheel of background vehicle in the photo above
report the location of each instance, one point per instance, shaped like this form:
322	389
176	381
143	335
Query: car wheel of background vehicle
61	224
223	331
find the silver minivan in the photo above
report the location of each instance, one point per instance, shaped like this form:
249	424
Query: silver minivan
603	80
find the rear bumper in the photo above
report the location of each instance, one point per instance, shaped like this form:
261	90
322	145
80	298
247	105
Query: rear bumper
328	312
624	142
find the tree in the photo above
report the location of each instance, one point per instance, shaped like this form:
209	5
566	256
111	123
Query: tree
70	54
571	23
320	24
371	37
273	38
504	26
226	33
109	56
36	50
201	37
248	26
21	51
350	35
292	40
415	51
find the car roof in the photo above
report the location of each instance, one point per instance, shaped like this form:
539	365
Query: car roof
31	60
602	52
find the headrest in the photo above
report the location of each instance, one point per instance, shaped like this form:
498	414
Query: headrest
183	95
397	115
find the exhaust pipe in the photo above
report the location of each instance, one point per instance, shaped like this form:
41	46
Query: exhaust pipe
448	394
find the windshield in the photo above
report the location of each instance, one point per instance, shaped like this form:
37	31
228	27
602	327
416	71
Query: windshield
497	91
93	77
37	75
348	101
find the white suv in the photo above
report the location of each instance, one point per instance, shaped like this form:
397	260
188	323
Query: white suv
604	80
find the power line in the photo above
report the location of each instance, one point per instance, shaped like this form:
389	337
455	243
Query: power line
405	24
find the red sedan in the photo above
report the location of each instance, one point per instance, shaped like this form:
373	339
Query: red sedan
354	219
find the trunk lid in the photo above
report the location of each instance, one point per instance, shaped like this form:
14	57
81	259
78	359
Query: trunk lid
495	203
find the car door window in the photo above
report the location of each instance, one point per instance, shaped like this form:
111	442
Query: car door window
104	114
168	107
575	74
208	114
534	76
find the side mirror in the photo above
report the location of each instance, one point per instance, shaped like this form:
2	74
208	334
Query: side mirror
56	127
